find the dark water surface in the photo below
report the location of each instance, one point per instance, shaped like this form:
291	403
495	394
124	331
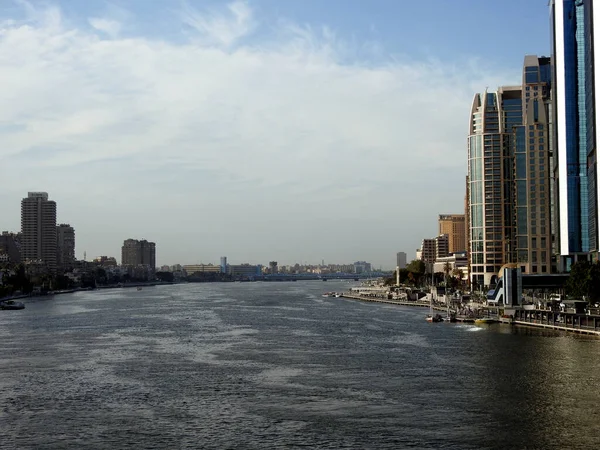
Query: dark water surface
275	365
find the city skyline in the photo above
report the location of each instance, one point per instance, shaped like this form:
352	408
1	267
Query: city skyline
258	131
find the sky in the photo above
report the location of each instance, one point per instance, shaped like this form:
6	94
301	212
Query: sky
295	131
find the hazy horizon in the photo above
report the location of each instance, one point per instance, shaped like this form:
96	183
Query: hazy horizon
260	130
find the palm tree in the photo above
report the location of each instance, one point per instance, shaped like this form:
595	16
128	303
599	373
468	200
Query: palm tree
458	274
447	270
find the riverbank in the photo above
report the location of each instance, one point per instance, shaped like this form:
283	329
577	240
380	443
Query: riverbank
71	291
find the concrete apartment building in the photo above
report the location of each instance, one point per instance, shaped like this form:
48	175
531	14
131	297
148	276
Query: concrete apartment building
191	269
138	252
244	271
454	226
38	229
273	267
65	247
427	251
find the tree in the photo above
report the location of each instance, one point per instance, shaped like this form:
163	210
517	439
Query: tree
165	276
458	274
579	282
594	284
447	269
416	271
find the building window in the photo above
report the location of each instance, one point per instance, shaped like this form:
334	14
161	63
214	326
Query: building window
543	269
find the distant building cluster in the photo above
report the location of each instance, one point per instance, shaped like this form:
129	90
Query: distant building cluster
446	251
47	248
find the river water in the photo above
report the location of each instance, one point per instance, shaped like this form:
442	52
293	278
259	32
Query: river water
272	365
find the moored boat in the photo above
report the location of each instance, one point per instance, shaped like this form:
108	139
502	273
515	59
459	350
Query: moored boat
434	319
11	304
485	320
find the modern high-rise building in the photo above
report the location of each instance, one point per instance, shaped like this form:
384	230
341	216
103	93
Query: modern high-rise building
38	229
138	252
490	172
576	129
401	260
509	182
223	264
533	159
65	247
454	226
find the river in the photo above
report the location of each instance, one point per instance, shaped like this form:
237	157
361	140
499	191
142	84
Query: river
272	365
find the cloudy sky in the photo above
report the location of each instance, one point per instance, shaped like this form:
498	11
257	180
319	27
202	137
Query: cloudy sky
295	130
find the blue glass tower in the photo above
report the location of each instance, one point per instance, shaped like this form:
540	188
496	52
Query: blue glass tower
574	129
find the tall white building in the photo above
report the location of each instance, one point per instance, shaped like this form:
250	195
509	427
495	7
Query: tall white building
38	228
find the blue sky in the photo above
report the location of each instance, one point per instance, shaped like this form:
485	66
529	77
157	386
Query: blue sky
286	130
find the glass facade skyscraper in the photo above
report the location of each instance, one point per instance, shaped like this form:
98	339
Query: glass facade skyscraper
494	115
575	134
509	190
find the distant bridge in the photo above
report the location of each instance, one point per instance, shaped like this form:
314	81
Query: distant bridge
330	276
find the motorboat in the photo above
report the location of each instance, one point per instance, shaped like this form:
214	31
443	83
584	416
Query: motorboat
482	320
435	319
139	288
11	304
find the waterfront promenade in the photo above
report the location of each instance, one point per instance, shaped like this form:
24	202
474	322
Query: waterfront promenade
554	320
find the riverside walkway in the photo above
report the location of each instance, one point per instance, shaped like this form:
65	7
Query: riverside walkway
556	320
391	301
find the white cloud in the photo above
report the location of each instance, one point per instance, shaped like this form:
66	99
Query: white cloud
138	136
217	28
108	26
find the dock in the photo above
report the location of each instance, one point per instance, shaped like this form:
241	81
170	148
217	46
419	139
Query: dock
555	320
